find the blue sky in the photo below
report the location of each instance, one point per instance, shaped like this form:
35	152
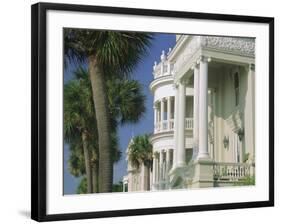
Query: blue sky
142	73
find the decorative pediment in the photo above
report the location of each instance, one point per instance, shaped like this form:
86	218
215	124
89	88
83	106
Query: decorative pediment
190	48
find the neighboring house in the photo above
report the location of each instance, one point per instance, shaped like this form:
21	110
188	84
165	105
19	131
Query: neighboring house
204	117
138	178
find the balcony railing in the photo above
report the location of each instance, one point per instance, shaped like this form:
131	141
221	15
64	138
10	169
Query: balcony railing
232	171
166	125
189	123
164	67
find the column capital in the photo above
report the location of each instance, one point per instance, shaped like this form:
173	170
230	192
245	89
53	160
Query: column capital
194	65
163	99
184	81
203	58
167	98
252	67
155	106
155	154
175	85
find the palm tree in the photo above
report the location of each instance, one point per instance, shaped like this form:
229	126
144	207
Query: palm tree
126	104
140	151
140	155
76	162
126	101
80	123
82	187
106	53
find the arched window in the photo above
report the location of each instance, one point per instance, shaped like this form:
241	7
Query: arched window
236	88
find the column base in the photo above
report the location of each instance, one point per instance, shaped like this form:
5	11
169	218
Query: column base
203	156
203	173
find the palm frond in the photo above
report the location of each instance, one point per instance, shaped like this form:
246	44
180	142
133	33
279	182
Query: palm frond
116	51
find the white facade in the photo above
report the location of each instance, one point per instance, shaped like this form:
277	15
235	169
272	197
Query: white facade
138	178
204	117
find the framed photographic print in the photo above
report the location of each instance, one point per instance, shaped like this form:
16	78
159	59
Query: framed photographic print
138	111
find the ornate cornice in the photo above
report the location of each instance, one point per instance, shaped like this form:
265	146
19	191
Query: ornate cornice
240	46
252	67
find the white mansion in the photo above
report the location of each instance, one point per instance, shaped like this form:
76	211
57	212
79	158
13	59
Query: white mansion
204	116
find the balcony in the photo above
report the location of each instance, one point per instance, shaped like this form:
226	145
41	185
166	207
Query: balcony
165	125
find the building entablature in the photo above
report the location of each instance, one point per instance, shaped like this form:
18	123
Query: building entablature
189	49
240	51
161	81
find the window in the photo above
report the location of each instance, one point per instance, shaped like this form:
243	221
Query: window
236	88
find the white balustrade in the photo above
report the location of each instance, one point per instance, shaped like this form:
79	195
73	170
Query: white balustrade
171	124
163	126
166	70
231	171
157	127
189	123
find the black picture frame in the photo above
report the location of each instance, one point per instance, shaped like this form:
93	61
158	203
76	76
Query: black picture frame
39	121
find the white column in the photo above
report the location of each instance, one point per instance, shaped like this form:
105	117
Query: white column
158	116
158	113
161	165
181	125
249	127
168	158
173	154
164	165
203	112
155	117
169	111
176	118
162	113
154	170
195	111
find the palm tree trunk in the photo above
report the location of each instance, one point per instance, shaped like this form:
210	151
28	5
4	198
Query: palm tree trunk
87	157
102	114
95	177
